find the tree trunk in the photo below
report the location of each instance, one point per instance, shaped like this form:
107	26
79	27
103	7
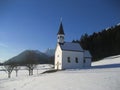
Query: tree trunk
29	71
37	71
16	73
9	75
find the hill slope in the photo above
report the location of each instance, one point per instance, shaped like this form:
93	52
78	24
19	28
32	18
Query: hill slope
102	44
103	75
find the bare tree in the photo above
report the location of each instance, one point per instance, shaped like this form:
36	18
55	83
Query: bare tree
31	61
9	69
16	68
30	68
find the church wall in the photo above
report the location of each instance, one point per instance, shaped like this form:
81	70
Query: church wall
72	64
87	62
58	58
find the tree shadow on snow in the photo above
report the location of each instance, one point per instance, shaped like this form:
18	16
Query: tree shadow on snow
106	66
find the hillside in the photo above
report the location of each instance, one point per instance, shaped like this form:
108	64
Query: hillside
103	75
102	44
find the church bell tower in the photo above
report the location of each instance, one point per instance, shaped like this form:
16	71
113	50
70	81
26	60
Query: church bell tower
60	34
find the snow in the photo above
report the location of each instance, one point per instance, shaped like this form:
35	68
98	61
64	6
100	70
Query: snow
107	28
112	61
103	75
118	24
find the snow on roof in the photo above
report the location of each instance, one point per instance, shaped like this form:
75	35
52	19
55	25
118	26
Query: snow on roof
87	53
69	46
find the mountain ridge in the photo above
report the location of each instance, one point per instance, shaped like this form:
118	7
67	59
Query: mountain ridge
29	57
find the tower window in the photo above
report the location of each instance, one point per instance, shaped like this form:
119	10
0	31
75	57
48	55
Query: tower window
76	60
84	61
60	36
68	59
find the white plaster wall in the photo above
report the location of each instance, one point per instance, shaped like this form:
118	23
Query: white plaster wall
87	62
72	64
58	57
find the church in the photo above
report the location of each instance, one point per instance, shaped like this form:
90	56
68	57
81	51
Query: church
69	55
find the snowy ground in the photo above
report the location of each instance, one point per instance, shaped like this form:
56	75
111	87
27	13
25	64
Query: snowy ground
103	75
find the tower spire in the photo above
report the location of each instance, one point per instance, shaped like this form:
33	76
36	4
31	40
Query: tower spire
60	33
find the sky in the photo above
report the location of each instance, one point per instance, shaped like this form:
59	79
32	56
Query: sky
33	24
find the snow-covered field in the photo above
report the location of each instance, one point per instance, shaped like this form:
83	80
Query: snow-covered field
103	75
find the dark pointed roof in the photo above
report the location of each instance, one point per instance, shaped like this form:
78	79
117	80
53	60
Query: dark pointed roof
61	31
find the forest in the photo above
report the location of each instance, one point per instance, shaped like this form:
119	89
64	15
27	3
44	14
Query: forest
102	44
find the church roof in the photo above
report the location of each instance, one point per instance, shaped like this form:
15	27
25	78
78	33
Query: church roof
61	31
87	54
69	46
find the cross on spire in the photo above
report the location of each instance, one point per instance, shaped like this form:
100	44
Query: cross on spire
60	19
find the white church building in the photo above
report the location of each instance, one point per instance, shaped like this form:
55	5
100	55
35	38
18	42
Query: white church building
69	55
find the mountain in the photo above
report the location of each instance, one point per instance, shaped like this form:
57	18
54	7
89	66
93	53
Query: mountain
1	64
50	52
29	57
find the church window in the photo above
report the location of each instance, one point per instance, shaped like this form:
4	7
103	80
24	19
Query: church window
68	59
76	60
84	61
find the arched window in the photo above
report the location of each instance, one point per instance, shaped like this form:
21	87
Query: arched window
76	60
68	59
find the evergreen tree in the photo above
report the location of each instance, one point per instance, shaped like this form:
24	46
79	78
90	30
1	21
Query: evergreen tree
102	44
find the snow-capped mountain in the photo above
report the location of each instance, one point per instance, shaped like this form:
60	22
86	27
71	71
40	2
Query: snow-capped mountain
50	52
